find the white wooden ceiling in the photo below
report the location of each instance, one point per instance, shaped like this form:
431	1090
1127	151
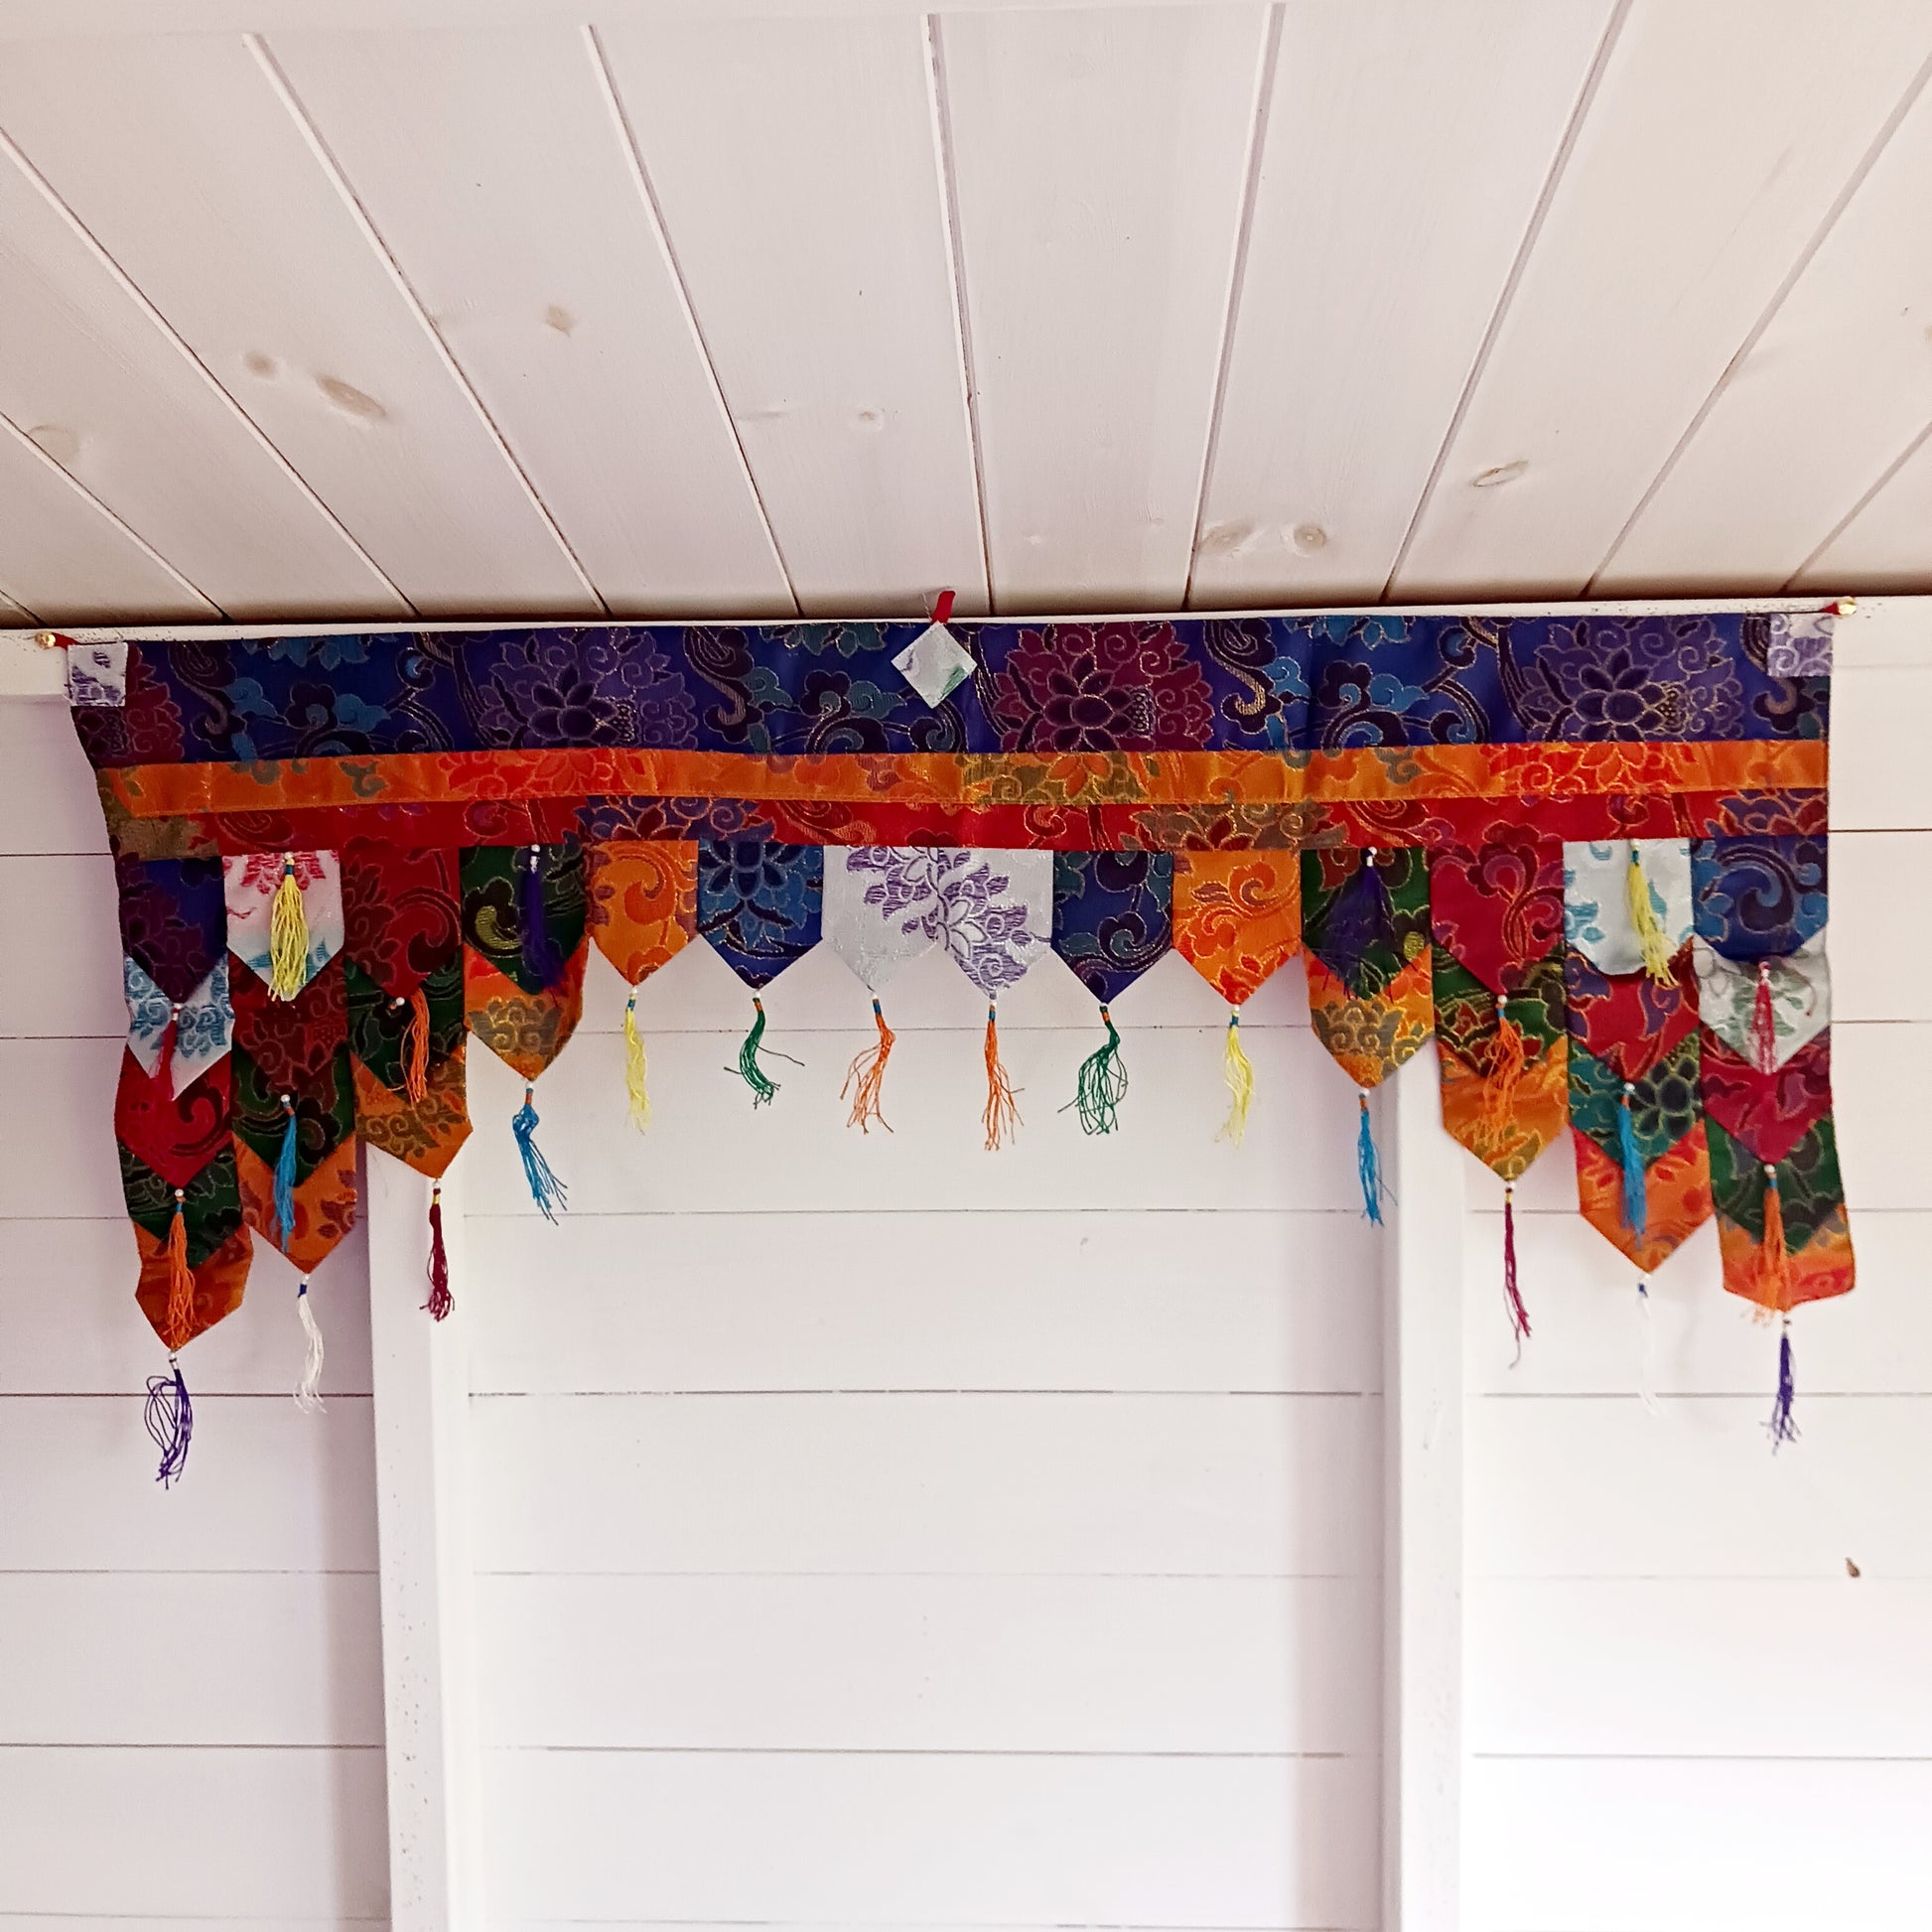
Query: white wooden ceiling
338	308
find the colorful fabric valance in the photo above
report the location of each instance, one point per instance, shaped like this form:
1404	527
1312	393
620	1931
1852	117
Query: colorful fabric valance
1584	853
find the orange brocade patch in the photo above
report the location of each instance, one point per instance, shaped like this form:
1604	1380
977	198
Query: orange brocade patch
1537	1110
425	1134
325	1203
1371	1037
1237	916
525	1031
975	779
219	1284
1677	1196
1822	1268
643	902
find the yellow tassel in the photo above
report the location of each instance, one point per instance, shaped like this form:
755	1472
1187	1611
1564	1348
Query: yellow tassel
180	1280
1240	1073
1505	1071
867	1073
1001	1115
633	1067
1652	940
415	1071
288	936
1770	1276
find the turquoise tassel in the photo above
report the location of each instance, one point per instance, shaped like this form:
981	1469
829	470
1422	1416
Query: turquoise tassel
1368	1165
285	1176
1635	1208
549	1193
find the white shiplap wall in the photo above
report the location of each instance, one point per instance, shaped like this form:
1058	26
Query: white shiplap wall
876	1532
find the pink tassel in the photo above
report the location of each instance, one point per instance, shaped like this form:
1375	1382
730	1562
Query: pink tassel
1519	1315
1764	1029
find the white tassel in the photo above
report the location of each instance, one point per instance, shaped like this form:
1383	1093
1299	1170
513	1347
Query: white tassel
308	1396
1648	1361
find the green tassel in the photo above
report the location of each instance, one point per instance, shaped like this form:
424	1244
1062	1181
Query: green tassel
762	1086
1102	1084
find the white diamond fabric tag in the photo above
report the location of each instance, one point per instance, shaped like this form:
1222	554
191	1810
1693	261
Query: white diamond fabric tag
935	664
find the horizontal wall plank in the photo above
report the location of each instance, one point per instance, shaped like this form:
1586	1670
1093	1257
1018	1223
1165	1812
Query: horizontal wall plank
66	1166
857	1839
1054	1664
1582	1488
1031	1301
1061	1485
1587	1846
299	1660
1875	773
68	1324
295	1834
67	982
1658	1667
48	801
266	1487
1589	1338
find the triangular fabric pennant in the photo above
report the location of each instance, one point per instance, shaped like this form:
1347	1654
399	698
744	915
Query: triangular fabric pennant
1597	889
252	884
644	903
1796	997
760	905
1237	916
191	1034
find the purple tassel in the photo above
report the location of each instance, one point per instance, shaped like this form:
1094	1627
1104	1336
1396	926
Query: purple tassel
1783	1427
533	926
170	1417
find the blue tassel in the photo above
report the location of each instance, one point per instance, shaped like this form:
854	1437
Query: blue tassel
533	929
546	1190
1783	1427
170	1420
1636	1208
285	1176
1368	1165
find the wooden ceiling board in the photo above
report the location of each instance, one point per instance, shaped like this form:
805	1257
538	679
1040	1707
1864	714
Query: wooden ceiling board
1885	543
185	163
1814	414
1100	163
796	168
98	381
1718	140
496	171
1383	226
66	559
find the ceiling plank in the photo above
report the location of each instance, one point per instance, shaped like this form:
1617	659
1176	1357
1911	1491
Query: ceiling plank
1883	544
493	168
1716	144
1341	382
1100	164
182	160
796	169
68	559
101	386
1816	411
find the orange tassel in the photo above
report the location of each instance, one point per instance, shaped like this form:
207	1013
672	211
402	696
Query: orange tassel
180	1280
867	1069
1505	1071
415	1077
1771	1274
1002	1116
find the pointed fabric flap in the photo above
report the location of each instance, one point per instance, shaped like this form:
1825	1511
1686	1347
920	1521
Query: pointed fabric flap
402	911
1767	1114
1677	1195
1760	898
643	902
1365	928
174	924
1237	916
1597	889
882	907
760	905
202	1024
997	913
250	882
1113	916
1817	1240
1628	1020
1800	989
524	910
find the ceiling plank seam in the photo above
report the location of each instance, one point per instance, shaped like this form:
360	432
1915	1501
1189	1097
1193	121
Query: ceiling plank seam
1270	45
159	323
312	137
634	156
1781	295
1585	95
942	142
